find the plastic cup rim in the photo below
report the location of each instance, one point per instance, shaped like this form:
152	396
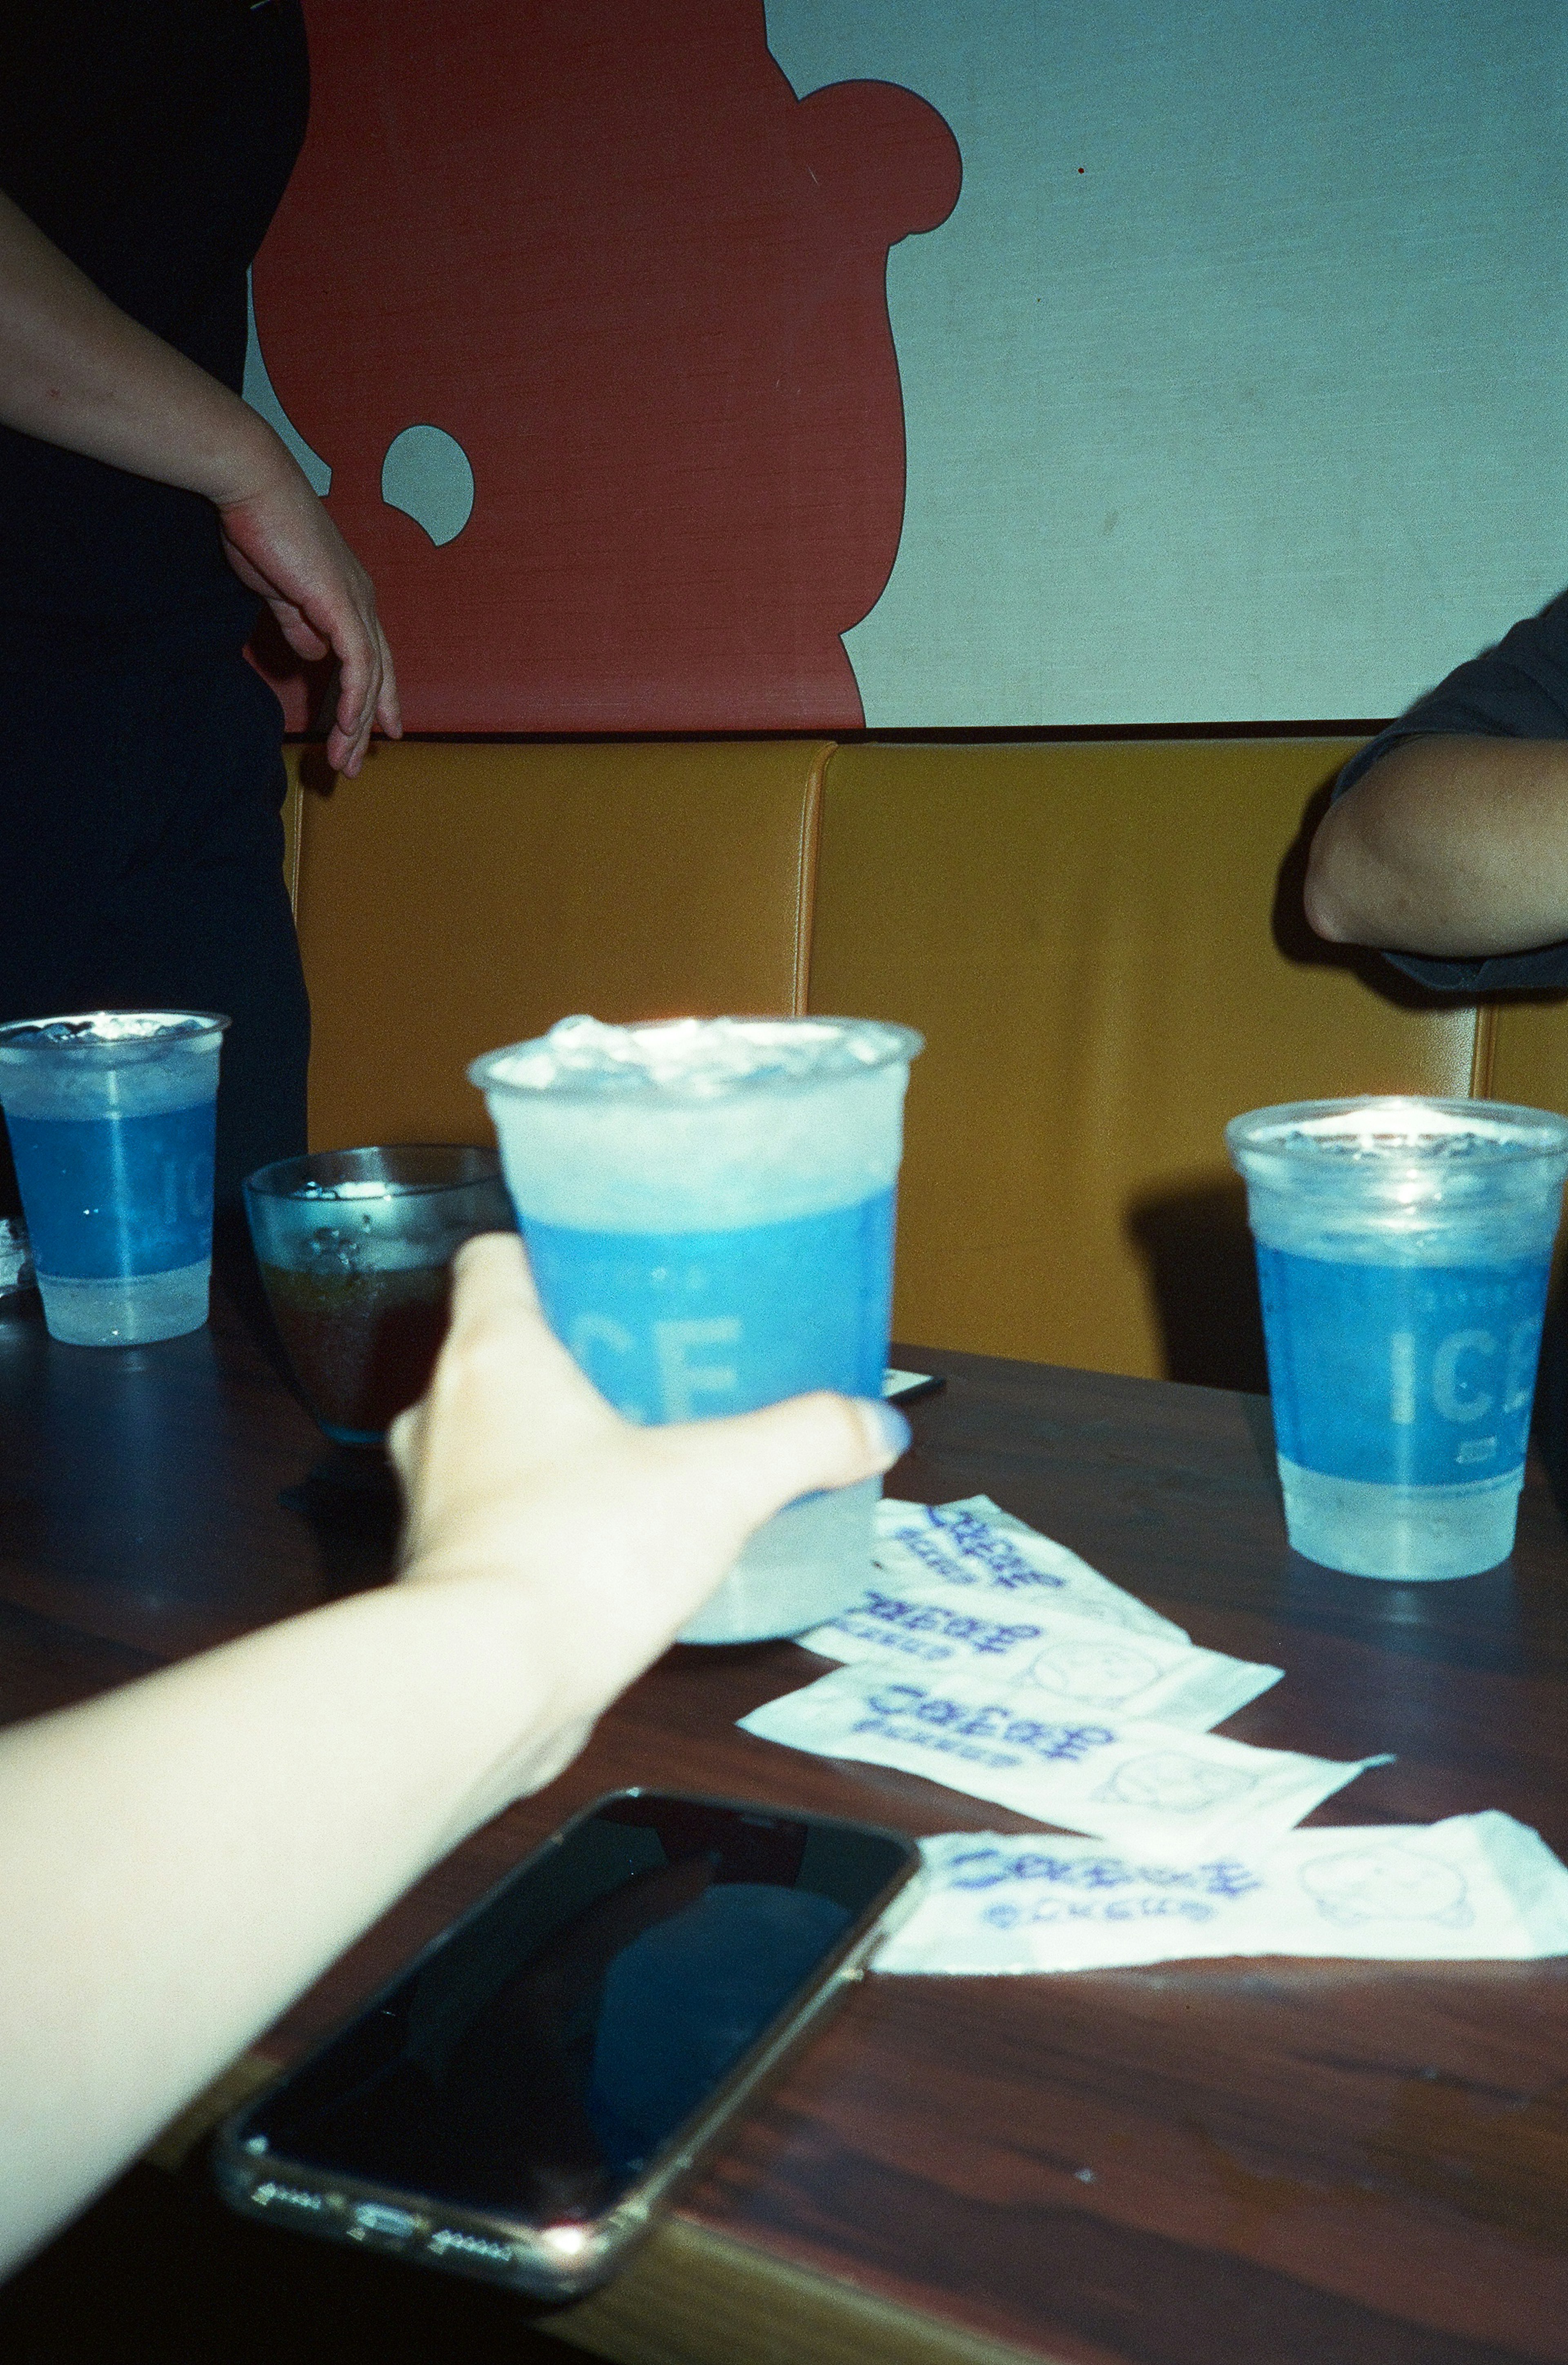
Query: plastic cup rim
901	1045
263	1181
1517	1134
185	1026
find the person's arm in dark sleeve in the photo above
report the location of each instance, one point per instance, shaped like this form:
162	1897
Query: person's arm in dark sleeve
1448	834
76	371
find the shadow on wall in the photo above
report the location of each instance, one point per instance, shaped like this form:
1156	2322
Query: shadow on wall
1197	1252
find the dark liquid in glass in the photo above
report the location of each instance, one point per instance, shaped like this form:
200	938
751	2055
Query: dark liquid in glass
362	1344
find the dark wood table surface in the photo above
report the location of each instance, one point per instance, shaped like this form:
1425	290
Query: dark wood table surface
1310	2163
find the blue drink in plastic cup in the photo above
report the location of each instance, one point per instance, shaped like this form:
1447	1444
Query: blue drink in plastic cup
708	1206
111	1118
1404	1246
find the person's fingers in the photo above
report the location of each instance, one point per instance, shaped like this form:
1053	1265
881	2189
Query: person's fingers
359	688
378	700
502	1354
783	1450
404	1440
281	543
345	750
298	632
490	1280
757	1462
491	1287
370	702
504	1398
388	708
514	1452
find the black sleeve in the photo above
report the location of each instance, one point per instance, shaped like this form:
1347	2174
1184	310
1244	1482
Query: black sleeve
1518	690
150	142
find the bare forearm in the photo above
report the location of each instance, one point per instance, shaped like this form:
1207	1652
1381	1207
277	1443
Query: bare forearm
76	371
1448	846
180	1858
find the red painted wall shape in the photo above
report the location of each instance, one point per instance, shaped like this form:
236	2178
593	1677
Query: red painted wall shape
604	249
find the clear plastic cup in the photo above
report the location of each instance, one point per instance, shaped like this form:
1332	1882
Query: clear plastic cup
354	1247
111	1116
1404	1246
708	1205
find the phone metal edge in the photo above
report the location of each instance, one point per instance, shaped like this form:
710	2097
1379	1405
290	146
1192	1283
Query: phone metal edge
326	2202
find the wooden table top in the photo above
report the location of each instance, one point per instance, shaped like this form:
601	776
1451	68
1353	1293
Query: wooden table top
1268	2159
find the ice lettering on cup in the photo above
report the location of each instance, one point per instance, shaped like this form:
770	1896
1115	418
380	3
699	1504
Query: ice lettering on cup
709	1210
1403	1247
717	1321
111	1116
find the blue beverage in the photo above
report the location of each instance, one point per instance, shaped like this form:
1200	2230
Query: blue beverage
1403	1375
686	1326
112	1196
110	1116
1402	1253
708	1206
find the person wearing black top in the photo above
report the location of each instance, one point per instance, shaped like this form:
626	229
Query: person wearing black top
146	513
1447	844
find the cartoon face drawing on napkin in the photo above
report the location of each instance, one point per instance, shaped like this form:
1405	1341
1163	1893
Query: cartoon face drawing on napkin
1107	1671
1175	1785
1386	1883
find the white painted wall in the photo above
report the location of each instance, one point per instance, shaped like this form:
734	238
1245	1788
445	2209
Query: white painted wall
1259	415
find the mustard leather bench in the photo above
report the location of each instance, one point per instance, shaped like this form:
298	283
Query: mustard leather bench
455	897
1101	940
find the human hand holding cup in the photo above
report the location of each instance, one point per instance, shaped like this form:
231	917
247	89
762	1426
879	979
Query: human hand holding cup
708	1207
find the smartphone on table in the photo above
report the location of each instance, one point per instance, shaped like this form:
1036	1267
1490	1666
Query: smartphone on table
520	2102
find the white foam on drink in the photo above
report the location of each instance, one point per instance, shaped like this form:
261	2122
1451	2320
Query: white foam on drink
1402	1180
109	1063
1384	1133
313	1189
700	1057
698	1125
97	1027
1394	1145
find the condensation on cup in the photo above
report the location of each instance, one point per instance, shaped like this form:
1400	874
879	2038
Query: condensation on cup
1404	1246
111	1115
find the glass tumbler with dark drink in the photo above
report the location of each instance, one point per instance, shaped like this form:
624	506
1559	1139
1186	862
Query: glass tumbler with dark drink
356	1248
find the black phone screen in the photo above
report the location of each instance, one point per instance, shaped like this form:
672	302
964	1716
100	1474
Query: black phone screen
537	2055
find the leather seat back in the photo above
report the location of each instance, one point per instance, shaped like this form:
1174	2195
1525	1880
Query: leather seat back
1528	1061
1086	934
456	897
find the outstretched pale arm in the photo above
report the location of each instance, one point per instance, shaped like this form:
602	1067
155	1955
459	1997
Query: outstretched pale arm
74	370
1448	846
180	1858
